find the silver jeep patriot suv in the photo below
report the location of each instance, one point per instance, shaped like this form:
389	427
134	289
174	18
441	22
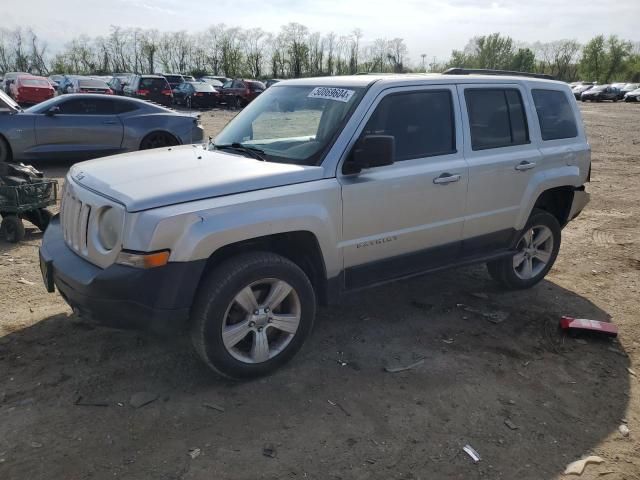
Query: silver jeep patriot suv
320	187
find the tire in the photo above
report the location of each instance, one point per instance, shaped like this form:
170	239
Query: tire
40	218
12	228
188	103
217	307
5	151
615	100
158	140
535	259
237	103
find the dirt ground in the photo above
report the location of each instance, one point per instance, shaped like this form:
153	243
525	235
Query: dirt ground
334	412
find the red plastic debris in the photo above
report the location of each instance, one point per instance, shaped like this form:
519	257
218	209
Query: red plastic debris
582	324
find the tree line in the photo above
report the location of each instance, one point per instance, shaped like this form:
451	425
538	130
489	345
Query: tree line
295	51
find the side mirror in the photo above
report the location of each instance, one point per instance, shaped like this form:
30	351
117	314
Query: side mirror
371	151
52	111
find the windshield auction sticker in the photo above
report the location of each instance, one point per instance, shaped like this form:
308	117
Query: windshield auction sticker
330	93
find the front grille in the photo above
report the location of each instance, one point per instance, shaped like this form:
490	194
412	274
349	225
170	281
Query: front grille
74	217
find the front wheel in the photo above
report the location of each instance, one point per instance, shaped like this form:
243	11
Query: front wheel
252	314
12	228
536	252
158	140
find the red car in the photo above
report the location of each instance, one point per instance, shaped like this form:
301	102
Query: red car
239	93
31	89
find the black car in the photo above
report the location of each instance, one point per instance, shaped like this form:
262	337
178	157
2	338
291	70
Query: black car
629	87
196	94
174	79
600	93
117	83
149	87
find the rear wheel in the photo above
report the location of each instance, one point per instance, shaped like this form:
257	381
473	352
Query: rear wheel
536	252
237	103
12	228
189	103
158	140
252	314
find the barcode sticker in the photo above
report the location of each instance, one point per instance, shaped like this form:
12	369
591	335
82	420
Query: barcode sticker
330	93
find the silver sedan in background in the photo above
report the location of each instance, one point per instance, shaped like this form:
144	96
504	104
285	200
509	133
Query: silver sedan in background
82	126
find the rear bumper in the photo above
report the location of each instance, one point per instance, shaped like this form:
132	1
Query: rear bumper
157	299
580	200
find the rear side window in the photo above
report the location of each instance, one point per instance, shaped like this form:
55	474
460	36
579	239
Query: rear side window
422	123
554	114
496	118
153	83
88	106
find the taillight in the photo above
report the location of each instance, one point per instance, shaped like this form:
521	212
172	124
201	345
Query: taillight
142	92
199	94
109	92
167	92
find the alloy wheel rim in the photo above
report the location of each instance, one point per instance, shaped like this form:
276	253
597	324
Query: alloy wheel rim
534	248
261	320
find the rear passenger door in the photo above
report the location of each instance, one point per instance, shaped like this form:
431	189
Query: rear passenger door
406	217
502	160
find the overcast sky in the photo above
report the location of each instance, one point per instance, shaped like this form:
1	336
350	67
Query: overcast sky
433	27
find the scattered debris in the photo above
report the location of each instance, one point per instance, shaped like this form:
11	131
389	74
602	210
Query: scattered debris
269	451
577	467
402	369
141	399
213	406
632	372
606	472
583	324
475	456
510	424
370	461
83	403
624	430
421	305
341	361
480	295
494	316
336	404
25	282
194	452
36	444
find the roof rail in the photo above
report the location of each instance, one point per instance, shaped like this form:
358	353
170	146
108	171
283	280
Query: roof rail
483	71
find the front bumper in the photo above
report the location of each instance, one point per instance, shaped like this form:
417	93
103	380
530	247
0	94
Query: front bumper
157	299
580	200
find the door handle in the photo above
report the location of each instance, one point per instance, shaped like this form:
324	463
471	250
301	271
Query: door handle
525	165
109	122
447	178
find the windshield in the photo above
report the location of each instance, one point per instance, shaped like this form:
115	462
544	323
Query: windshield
202	87
34	82
90	83
174	78
599	88
292	124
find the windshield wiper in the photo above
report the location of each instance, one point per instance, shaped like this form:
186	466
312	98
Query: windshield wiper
238	147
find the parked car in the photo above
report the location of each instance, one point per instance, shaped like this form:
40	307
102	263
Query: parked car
189	78
9	78
599	93
30	89
271	81
318	189
81	126
578	90
220	79
154	88
54	80
629	87
174	79
217	84
89	85
65	83
239	93
117	83
632	96
196	95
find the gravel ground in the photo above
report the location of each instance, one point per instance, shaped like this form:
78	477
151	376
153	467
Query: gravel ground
526	398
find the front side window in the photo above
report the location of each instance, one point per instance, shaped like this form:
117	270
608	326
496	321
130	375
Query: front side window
422	123
496	118
554	114
292	124
81	106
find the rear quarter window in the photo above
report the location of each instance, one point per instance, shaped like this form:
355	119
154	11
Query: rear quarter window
555	115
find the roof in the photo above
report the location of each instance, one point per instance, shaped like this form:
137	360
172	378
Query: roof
400	79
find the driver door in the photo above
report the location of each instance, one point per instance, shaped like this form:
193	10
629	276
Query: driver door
408	217
82	128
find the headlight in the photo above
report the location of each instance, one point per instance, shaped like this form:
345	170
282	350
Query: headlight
109	227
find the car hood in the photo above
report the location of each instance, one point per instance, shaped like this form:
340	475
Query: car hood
156	178
7	102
